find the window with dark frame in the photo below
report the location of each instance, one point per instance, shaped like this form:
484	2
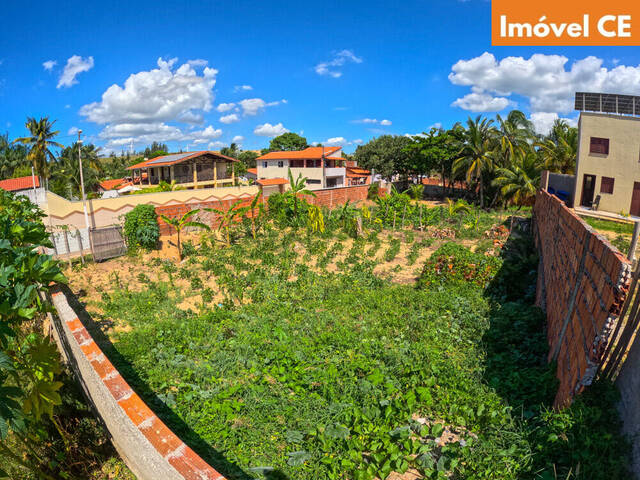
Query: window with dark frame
265	164
296	163
599	145
280	164
606	185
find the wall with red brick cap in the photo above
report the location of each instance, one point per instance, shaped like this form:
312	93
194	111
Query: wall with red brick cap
148	447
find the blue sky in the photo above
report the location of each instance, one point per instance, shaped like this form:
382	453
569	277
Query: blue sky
327	69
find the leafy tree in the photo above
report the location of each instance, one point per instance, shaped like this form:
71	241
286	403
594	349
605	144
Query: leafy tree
156	150
65	174
40	142
287	142
141	227
12	158
386	155
520	180
231	151
560	149
475	152
436	151
184	222
248	157
227	217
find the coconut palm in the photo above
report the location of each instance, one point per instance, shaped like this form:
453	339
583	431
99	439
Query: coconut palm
40	143
560	148
477	144
519	181
12	157
515	134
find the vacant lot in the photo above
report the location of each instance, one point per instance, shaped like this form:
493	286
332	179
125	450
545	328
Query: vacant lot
392	352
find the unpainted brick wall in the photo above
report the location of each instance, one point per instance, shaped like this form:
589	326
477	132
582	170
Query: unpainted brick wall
582	283
330	197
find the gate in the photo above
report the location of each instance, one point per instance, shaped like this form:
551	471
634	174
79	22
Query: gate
107	242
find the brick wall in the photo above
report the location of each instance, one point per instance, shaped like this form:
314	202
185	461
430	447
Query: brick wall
582	283
330	198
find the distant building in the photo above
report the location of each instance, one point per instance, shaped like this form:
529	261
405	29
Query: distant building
322	166
190	170
27	186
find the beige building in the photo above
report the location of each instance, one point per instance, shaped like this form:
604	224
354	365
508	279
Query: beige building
608	163
323	167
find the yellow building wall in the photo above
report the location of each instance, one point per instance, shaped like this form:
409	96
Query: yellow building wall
622	163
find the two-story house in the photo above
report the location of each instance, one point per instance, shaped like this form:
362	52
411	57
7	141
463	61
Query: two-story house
322	166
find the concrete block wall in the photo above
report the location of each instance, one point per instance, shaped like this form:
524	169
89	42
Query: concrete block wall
582	283
148	447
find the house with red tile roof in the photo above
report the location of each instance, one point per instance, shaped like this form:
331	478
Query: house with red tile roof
323	167
204	168
28	186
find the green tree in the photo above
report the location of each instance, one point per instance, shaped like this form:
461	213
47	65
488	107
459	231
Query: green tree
65	174
231	151
560	148
40	143
386	155
180	223
287	142
477	144
520	180
515	135
156	150
12	157
248	157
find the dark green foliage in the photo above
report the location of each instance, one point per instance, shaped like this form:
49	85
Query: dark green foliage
141	227
454	264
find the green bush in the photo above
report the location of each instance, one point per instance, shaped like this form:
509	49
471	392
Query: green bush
141	227
453	263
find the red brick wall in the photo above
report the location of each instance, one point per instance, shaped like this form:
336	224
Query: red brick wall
329	198
582	283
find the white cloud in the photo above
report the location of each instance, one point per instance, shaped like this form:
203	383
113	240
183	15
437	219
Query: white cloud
358	141
547	81
481	102
335	141
67	106
225	107
342	57
254	106
543	121
142	109
198	62
49	64
72	131
231	118
268	130
157	95
75	65
215	145
237	139
374	121
241	88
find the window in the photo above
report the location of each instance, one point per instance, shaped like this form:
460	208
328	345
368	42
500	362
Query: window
313	163
313	180
606	186
296	163
265	164
599	145
280	164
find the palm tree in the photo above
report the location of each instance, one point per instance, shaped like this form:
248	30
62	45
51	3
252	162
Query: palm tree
560	148
478	141
515	134
183	222
227	217
519	181
12	157
40	144
298	187
66	173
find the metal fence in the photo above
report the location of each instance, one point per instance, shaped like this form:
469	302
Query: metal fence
107	242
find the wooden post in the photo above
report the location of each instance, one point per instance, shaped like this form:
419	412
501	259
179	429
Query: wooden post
172	172
148	176
233	174
421	229
634	242
215	174
404	211
195	175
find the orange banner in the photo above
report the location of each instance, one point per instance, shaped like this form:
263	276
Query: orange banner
558	22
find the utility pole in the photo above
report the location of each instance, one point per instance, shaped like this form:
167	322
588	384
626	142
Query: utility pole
84	198
324	174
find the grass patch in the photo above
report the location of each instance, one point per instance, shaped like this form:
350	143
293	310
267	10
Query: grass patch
609	225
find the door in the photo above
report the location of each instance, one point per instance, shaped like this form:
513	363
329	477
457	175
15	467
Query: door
588	189
635	200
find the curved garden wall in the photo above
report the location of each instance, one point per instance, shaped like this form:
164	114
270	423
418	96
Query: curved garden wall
148	447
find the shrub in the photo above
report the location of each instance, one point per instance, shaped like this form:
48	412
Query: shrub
141	227
453	263
373	191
